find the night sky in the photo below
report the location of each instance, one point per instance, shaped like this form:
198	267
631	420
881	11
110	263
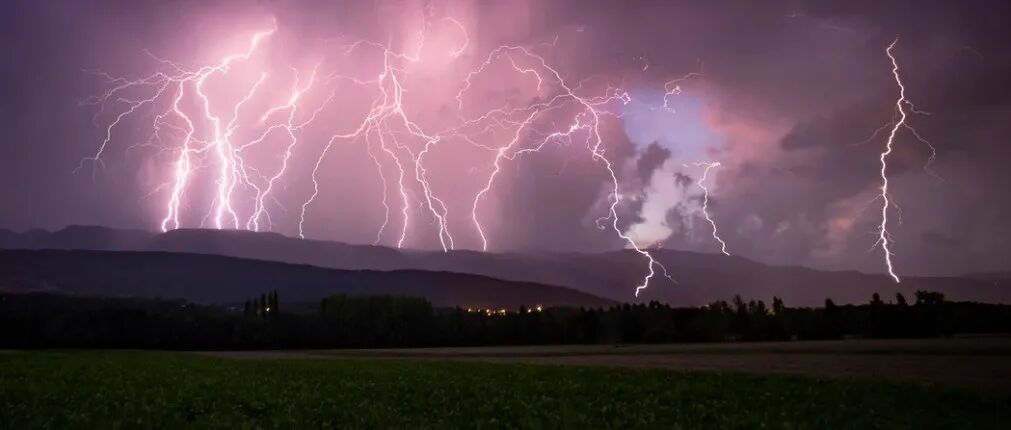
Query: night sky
785	95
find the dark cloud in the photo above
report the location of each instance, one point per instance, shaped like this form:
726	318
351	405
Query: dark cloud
796	87
651	159
682	180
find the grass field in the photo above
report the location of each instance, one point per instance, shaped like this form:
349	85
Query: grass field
967	362
170	390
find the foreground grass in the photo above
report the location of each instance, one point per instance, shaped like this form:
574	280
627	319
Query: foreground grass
172	390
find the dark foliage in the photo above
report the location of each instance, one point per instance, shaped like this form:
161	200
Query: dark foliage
159	390
54	321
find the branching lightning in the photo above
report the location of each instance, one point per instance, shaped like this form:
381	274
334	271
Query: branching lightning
705	202
587	120
903	108
208	131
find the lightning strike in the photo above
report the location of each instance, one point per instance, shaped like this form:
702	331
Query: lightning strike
705	202
884	236
588	120
673	87
391	135
291	130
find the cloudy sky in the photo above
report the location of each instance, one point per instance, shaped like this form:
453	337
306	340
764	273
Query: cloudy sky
785	95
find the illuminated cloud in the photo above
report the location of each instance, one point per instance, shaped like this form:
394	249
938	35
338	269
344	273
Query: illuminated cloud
785	94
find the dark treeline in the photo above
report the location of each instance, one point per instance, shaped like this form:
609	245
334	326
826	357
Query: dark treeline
53	321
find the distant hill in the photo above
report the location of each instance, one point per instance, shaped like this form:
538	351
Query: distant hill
991	276
214	279
700	278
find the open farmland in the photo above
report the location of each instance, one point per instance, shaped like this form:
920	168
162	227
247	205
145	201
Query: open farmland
170	390
967	362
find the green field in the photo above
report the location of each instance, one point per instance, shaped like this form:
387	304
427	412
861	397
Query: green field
170	390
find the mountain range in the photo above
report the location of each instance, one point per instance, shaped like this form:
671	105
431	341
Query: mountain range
695	278
215	279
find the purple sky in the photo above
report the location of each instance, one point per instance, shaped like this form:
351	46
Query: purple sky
788	94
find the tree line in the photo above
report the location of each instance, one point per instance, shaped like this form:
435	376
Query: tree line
56	321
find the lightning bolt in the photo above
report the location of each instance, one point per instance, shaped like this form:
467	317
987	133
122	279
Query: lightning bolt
901	105
588	119
183	168
208	136
178	80
673	87
291	130
705	202
380	128
501	154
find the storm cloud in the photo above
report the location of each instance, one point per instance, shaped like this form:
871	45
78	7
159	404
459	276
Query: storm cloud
786	95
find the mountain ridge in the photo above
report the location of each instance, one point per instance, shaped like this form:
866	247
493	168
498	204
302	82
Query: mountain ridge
698	278
216	279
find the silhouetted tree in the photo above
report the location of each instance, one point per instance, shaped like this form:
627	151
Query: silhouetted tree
738	302
833	320
777	305
875	321
929	298
900	299
53	321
